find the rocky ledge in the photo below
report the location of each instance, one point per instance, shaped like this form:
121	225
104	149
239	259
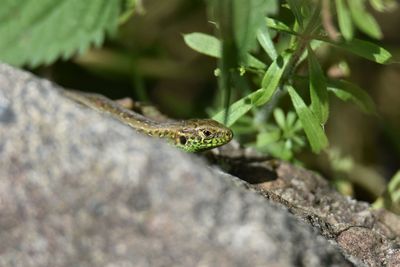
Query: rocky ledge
78	188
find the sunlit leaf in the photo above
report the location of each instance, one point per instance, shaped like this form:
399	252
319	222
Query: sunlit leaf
271	79
236	110
211	46
362	48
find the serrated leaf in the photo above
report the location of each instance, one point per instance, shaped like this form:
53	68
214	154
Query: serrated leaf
344	19
314	132
211	46
363	19
318	92
348	91
35	33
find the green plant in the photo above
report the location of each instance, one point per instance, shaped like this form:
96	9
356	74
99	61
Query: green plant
288	38
35	32
262	46
390	199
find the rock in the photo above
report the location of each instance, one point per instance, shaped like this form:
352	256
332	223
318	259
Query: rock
78	188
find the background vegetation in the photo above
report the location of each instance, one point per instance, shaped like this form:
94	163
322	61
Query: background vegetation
289	77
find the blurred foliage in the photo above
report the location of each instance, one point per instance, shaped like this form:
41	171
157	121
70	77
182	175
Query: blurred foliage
391	197
282	66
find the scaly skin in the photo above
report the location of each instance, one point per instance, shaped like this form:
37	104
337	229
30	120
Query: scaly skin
190	135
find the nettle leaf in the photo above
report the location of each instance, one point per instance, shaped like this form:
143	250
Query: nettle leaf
34	33
348	91
364	20
211	46
313	129
344	18
318	92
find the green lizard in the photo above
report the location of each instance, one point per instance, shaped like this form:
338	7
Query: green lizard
192	135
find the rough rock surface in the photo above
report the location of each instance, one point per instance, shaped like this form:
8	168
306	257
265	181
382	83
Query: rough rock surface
79	189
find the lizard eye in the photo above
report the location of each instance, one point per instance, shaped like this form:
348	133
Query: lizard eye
207	133
182	140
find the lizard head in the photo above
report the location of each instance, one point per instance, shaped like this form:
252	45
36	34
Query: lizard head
203	134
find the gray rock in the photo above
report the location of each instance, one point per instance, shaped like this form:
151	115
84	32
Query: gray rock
78	188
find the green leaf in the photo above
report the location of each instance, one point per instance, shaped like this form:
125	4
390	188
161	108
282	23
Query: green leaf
265	41
248	16
344	18
290	120
280	118
318	92
130	6
362	48
211	46
237	109
34	33
203	43
364	20
270	83
384	5
279	26
295	7
359	47
348	91
271	79
314	132
266	138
